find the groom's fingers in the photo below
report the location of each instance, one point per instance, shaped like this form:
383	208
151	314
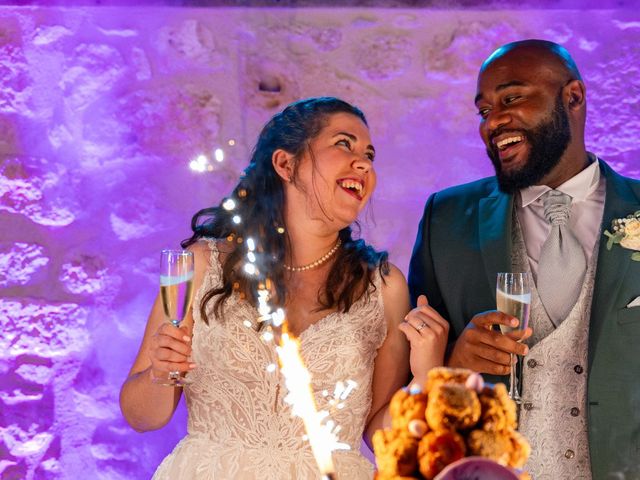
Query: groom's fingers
488	366
479	357
498	342
492	355
486	334
484	350
519	335
476	359
488	319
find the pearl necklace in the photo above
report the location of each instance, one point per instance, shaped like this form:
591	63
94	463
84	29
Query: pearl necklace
318	262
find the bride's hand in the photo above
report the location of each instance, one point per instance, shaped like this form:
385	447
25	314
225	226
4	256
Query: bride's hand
170	350
427	333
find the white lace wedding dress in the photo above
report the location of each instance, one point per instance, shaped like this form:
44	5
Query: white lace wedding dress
239	425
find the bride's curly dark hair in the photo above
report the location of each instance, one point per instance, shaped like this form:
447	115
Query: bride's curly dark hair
259	202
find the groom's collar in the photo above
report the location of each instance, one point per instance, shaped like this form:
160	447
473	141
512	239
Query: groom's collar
578	187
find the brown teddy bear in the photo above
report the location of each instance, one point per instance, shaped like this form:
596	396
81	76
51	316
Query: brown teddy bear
452	406
407	405
507	447
453	416
498	411
438	449
396	453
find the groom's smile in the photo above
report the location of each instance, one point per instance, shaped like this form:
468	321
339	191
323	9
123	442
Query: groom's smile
509	147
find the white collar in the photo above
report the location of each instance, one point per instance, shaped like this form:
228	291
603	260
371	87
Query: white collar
578	187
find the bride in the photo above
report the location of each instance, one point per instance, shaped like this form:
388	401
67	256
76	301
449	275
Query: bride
310	175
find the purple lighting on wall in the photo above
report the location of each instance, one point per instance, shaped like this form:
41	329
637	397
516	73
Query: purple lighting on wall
117	124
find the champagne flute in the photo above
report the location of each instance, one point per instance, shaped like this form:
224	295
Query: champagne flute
176	288
513	297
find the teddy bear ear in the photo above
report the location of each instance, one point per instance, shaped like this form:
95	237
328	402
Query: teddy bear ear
440	375
417	428
475	382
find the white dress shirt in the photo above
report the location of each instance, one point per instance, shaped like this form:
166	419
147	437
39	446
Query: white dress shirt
587	190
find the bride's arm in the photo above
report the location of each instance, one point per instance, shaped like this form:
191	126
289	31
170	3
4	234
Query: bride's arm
405	348
147	405
391	369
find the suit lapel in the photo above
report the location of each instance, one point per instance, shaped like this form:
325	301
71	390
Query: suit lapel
494	233
620	201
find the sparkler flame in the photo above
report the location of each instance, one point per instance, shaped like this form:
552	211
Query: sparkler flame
321	431
322	435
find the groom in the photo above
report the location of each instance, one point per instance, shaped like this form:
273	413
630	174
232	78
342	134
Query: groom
544	212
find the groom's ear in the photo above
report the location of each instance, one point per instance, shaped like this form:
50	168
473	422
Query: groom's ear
283	162
576	94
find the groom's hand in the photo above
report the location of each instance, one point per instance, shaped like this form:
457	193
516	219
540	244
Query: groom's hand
485	350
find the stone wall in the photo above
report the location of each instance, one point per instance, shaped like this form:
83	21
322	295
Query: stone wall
110	119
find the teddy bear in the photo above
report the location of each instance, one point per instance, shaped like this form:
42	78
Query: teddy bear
507	447
498	411
396	453
452	415
437	449
407	405
452	406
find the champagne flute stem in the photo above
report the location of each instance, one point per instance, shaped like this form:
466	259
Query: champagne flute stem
176	376
514	388
512	380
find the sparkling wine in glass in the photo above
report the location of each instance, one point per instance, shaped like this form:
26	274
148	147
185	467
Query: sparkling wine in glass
176	291
513	297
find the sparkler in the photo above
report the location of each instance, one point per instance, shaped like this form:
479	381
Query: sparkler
321	431
321	435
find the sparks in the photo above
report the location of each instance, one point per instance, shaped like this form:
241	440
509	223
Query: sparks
320	433
199	164
229	204
267	336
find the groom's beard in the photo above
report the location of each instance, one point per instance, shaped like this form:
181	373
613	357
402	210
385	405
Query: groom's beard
547	143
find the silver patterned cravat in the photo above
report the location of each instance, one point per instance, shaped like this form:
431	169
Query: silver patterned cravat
562	264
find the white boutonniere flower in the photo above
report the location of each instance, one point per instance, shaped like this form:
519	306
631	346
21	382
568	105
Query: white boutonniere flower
626	232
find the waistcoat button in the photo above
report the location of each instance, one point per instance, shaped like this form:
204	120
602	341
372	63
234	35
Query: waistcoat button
569	454
578	369
527	405
575	411
532	363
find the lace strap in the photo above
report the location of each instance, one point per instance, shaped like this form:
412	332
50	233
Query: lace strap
378	281
371	305
211	279
214	257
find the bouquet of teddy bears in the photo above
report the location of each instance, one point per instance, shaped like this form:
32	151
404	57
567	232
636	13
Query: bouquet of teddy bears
453	416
